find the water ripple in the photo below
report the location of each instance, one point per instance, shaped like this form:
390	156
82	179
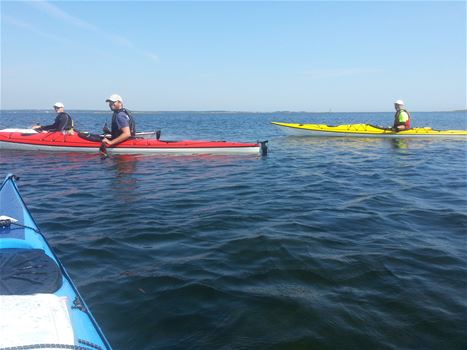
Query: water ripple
326	243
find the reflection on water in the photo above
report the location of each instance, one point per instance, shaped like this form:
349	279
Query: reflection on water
357	143
123	184
125	166
400	143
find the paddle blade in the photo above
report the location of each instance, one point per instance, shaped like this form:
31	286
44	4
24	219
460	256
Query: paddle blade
103	151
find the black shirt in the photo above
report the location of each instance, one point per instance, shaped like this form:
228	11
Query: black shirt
62	122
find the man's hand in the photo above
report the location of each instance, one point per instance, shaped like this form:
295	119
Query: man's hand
106	141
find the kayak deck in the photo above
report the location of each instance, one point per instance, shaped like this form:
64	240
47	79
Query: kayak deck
363	130
39	304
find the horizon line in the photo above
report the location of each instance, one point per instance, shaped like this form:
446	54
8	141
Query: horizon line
222	111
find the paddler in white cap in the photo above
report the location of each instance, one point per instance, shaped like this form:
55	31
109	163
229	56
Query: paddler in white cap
63	121
402	116
123	123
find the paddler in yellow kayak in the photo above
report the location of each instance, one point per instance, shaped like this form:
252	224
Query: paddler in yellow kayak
402	116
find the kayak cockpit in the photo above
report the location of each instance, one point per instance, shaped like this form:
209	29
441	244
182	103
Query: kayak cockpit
28	271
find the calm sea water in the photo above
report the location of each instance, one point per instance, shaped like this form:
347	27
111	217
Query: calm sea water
324	244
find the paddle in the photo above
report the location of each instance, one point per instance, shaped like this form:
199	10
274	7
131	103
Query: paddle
264	147
103	151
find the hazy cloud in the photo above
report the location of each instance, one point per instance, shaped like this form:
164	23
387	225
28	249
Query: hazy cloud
57	13
152	56
30	27
339	72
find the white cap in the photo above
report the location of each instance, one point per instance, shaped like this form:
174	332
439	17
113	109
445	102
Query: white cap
114	98
399	103
59	105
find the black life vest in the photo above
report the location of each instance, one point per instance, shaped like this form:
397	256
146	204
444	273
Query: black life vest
69	122
63	122
116	131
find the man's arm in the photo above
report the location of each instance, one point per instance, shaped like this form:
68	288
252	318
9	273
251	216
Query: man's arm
59	124
52	127
126	134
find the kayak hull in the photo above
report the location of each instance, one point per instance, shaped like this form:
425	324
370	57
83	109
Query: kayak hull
132	150
364	130
58	142
59	316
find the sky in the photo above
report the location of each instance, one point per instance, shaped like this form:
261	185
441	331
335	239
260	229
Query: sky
264	56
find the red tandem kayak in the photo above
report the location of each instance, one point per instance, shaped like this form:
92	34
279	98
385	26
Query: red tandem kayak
24	139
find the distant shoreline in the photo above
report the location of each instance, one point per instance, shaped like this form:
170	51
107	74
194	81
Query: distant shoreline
215	111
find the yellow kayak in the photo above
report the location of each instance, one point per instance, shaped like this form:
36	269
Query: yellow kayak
364	130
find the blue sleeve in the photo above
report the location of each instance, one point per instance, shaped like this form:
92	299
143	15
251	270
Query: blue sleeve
122	120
